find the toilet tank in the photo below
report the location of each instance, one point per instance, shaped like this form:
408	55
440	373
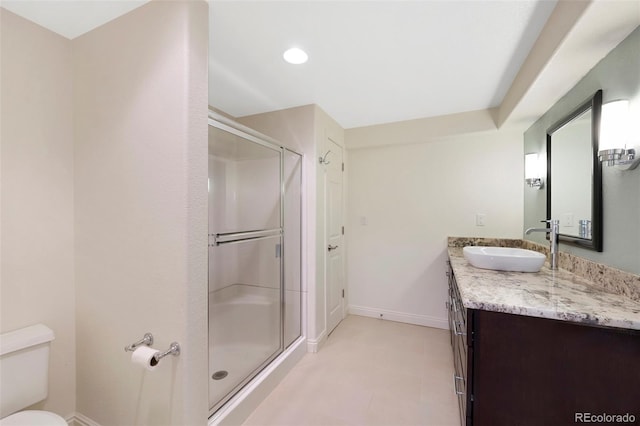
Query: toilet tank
24	367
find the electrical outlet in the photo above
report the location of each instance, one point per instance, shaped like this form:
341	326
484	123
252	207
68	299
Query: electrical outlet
567	220
480	219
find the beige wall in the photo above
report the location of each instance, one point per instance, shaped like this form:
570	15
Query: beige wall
293	127
420	130
405	198
36	260
141	213
104	165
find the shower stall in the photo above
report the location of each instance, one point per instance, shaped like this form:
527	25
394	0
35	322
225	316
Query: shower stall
255	297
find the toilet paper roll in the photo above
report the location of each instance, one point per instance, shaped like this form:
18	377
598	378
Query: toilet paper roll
143	356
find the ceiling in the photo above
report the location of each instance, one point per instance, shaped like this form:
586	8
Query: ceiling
71	18
373	62
369	62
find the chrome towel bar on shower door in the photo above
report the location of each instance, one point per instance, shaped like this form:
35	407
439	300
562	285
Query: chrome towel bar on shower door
241	236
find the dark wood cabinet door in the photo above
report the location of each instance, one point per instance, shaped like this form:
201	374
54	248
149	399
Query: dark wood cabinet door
535	371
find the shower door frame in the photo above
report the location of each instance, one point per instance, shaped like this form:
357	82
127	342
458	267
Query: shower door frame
227	125
300	247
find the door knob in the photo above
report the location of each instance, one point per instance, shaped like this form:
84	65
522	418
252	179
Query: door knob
331	247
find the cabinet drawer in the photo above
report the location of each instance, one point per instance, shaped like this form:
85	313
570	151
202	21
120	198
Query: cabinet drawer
458	299
450	316
459	321
459	381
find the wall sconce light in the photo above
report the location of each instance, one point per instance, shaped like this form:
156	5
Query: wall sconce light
533	171
614	132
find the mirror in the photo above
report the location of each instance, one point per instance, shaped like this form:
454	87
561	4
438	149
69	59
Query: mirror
574	175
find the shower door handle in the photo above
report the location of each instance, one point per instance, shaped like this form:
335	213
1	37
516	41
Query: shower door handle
330	247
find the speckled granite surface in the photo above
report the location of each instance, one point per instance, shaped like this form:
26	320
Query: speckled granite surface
485	242
560	294
610	279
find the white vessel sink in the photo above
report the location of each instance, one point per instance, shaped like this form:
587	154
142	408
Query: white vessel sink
504	258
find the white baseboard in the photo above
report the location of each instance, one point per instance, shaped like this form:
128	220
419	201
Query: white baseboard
81	420
314	345
425	320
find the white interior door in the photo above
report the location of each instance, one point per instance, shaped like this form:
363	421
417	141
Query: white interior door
334	237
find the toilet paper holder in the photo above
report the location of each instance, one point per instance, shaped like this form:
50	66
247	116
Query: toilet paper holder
146	340
174	348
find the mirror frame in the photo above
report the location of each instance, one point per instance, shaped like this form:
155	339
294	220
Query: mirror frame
595	104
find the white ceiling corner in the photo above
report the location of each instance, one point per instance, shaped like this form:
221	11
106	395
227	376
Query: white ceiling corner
71	18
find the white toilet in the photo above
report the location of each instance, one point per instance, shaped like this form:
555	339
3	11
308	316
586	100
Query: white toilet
24	377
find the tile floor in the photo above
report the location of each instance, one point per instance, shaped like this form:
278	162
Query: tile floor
369	372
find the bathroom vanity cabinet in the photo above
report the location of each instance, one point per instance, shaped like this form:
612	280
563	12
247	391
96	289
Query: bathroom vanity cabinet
522	370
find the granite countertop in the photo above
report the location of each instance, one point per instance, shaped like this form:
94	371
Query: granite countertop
559	294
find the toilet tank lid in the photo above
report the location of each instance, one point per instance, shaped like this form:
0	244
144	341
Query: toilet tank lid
24	338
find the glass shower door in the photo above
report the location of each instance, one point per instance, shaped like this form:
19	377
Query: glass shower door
245	259
244	317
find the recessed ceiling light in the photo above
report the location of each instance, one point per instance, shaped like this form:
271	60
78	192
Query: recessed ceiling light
295	56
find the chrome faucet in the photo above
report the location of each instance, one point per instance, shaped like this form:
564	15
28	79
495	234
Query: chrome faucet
553	230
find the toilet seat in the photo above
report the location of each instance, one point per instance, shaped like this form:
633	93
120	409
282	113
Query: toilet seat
33	418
